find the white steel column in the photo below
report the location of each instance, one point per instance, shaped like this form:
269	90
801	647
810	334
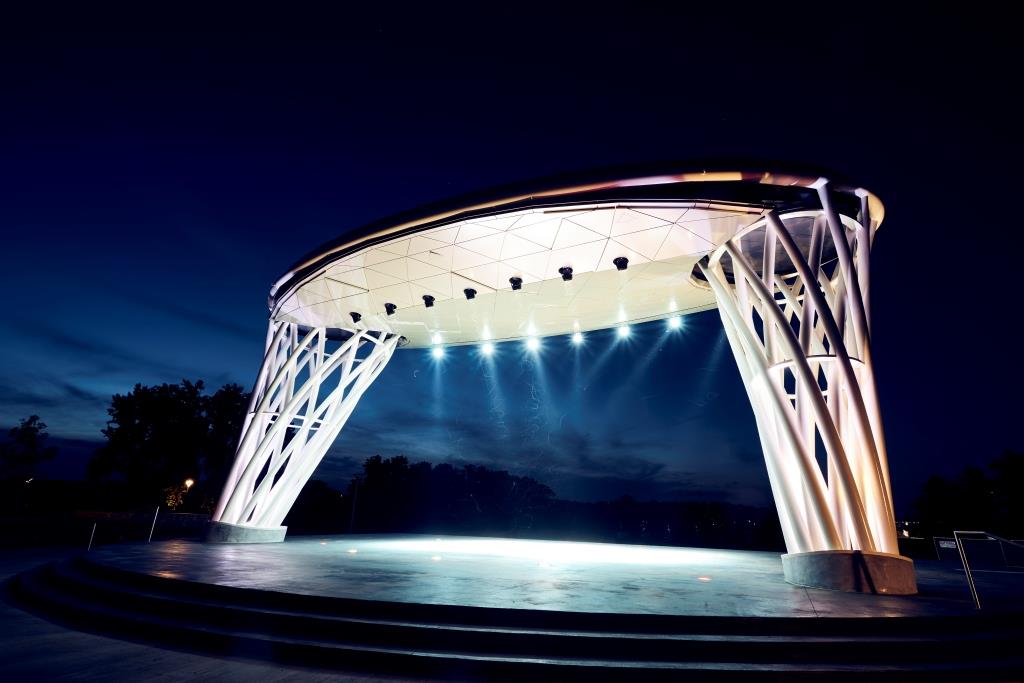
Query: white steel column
303	396
802	341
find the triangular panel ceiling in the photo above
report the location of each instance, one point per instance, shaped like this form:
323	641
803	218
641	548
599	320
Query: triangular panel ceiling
515	246
420	244
446	235
397	268
472	231
439	258
570	234
489	246
542	233
486	274
646	242
681	241
598	220
627	221
661	242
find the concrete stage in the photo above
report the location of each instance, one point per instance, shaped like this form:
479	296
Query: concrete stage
530	574
484	608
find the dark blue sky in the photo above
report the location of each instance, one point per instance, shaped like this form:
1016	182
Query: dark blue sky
157	174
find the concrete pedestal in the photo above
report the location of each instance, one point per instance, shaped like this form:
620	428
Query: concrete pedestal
222	532
852	571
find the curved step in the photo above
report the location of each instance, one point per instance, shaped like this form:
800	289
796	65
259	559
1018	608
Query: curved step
441	640
548	619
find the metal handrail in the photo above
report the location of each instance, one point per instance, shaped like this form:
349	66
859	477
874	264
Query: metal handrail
967	566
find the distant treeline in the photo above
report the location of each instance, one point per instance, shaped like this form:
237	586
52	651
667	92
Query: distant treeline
172	444
393	495
989	499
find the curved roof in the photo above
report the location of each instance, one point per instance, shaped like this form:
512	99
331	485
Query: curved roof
659	218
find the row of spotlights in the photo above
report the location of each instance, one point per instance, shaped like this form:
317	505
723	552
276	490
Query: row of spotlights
533	343
621	263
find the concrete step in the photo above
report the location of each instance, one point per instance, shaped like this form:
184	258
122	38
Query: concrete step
539	619
240	622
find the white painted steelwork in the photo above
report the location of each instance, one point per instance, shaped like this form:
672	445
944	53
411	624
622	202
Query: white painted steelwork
801	340
303	396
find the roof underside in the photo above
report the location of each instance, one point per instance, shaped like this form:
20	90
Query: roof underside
663	228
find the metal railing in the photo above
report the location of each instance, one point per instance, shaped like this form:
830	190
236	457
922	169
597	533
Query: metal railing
967	565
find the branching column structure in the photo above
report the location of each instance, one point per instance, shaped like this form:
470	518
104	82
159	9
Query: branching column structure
796	318
302	398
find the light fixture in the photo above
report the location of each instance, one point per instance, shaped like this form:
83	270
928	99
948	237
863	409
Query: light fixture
189	482
487	348
577	338
437	352
428	301
436	338
566	273
355	317
621	263
532	343
623	331
675	322
390	309
516	282
469	292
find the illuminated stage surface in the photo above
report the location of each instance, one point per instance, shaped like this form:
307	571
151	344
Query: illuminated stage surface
483	608
530	574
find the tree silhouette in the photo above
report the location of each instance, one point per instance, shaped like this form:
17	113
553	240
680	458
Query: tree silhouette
25	449
393	495
396	495
159	436
976	499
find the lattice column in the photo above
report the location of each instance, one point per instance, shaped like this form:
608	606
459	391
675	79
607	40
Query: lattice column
303	395
794	310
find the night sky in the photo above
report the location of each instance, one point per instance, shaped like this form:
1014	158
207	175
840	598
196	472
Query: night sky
158	173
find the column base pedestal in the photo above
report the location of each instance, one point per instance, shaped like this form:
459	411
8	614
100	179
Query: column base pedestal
852	571
222	532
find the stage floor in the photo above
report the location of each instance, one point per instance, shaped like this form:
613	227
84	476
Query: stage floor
547	575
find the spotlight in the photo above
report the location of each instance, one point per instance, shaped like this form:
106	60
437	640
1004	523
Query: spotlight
487	348
577	338
675	322
428	301
533	343
623	331
355	317
437	352
390	308
621	262
435	338
566	273
516	282
470	293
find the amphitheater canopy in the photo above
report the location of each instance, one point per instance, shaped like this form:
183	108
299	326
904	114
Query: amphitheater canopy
662	225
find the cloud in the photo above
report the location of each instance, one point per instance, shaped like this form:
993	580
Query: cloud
188	314
576	464
65	393
105	357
